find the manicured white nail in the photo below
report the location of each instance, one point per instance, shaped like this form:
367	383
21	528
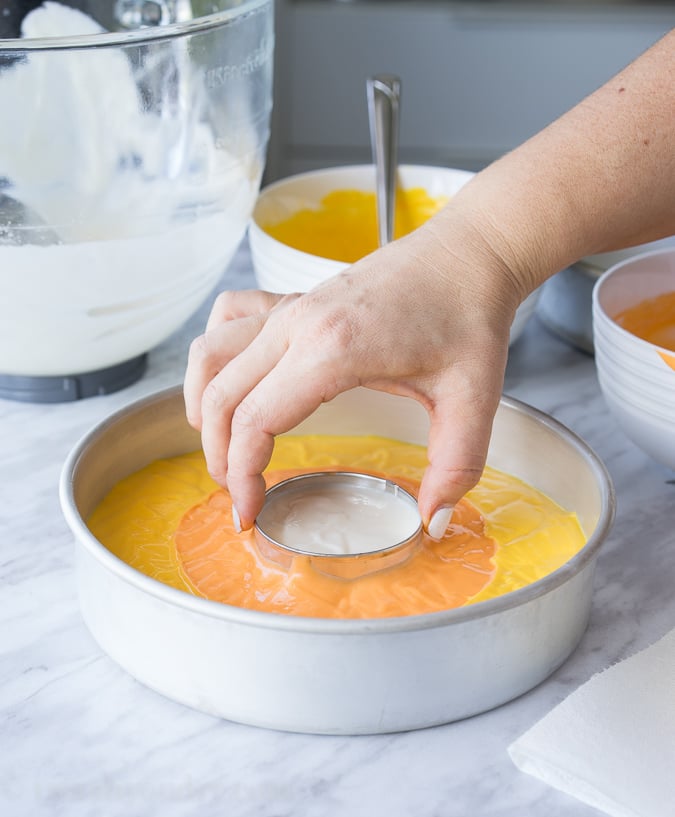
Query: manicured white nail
438	524
236	519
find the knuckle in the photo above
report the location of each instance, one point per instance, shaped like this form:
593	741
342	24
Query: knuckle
340	329
464	476
199	349
222	305
213	398
218	474
247	417
334	331
283	301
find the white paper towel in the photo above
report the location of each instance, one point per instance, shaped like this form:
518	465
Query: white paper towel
611	743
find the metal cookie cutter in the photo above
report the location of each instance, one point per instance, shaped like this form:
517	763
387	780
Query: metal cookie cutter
342	486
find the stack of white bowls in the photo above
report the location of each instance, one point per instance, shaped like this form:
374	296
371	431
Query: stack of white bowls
637	377
281	268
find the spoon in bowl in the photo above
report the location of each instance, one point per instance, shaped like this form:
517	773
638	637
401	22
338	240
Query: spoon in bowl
384	93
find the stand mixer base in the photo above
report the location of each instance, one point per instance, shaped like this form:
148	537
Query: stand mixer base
66	388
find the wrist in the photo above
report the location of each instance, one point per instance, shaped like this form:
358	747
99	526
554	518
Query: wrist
466	251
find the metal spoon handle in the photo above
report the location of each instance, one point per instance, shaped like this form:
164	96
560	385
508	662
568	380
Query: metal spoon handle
384	93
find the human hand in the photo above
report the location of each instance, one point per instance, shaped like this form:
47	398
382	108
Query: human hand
412	319
429	316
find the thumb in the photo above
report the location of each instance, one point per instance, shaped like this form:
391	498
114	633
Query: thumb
458	443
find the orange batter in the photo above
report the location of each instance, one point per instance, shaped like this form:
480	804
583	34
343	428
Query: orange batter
225	566
172	522
344	226
652	320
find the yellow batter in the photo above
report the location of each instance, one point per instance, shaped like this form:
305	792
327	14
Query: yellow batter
344	226
504	536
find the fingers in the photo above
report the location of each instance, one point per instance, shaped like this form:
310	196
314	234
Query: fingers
280	401
230	305
224	392
235	320
209	354
459	437
247	382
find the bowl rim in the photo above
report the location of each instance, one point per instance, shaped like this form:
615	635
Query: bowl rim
599	312
285	622
137	36
260	235
308	175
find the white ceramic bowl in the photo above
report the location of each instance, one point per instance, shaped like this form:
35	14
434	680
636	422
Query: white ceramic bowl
637	378
324	675
566	302
280	268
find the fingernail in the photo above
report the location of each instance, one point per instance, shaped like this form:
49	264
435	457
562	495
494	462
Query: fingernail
438	524
236	519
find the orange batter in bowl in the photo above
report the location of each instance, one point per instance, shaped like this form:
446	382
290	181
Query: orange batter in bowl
652	320
344	226
171	521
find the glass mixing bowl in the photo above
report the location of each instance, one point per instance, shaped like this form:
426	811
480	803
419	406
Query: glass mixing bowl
131	153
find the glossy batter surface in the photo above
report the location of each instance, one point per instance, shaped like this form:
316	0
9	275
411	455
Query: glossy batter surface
344	226
652	320
172	522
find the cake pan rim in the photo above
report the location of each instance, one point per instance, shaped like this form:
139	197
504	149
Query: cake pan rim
284	621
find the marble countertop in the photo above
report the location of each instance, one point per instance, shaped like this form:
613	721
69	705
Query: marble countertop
78	736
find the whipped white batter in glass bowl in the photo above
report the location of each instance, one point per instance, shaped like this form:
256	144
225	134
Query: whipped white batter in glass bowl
128	171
